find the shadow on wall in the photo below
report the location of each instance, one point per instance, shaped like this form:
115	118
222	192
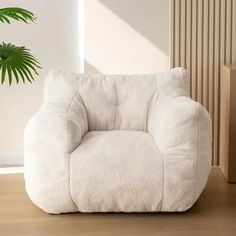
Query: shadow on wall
90	68
144	16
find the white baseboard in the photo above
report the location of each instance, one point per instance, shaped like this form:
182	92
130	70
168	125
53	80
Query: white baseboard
11	158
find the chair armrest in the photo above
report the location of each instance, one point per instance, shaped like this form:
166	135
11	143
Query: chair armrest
174	122
50	137
181	129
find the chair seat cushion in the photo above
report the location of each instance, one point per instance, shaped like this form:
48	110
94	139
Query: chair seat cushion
117	171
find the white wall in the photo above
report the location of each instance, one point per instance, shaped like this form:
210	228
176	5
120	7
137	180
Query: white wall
127	36
55	41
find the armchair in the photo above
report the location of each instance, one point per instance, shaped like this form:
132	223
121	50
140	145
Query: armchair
110	143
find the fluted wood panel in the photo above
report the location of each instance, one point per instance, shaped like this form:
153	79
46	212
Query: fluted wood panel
203	37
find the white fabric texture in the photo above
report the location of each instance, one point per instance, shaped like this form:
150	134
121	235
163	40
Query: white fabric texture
110	143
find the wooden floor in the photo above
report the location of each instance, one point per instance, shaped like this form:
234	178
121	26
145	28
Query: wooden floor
214	214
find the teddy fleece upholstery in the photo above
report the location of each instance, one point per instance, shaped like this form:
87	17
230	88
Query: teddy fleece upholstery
110	143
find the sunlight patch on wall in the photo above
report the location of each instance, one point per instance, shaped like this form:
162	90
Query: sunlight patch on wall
113	46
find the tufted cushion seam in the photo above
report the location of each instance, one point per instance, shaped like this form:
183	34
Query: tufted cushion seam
163	177
69	162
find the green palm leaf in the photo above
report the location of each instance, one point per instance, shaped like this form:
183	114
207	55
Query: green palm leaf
16	13
17	62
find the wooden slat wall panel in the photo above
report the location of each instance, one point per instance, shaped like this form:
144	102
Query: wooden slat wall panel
199	70
234	31
211	73
188	39
183	34
216	81
203	37
205	53
194	49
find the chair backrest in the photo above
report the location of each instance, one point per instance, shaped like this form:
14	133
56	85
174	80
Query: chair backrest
115	102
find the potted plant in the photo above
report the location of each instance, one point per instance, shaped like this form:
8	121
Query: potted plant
16	62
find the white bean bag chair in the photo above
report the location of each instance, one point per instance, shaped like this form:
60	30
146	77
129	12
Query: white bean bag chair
117	143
